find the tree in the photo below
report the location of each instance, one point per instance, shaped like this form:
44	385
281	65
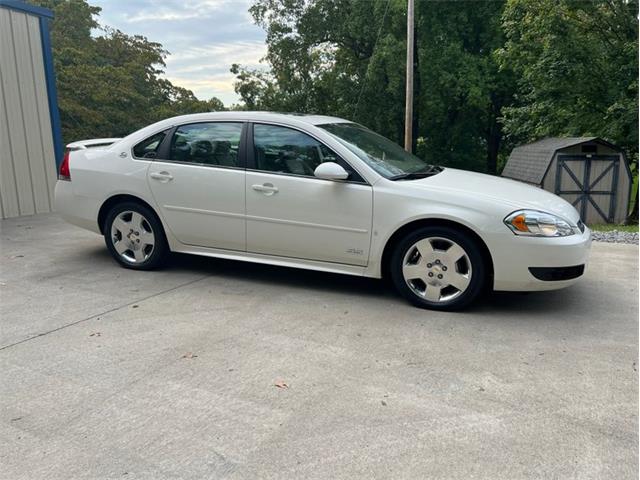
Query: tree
111	84
346	58
462	90
577	70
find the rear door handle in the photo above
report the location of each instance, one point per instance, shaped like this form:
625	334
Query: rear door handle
162	176
266	188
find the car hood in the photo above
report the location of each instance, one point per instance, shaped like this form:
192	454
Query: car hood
511	194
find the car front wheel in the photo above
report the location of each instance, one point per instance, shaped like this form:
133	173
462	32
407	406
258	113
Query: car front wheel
135	237
439	268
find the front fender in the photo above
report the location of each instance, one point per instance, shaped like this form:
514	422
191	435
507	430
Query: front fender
393	211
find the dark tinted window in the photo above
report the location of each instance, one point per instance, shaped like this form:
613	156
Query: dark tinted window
207	143
284	150
148	148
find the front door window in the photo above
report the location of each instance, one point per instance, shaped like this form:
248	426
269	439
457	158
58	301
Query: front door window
285	150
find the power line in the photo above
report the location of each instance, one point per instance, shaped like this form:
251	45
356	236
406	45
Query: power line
366	75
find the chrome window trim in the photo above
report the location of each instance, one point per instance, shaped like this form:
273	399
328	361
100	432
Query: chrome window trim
193	164
309	177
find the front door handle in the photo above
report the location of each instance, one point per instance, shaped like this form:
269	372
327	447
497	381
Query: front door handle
266	188
164	177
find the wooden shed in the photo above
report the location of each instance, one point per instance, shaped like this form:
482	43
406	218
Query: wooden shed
590	173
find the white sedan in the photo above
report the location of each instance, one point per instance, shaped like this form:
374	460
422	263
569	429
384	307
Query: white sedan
320	193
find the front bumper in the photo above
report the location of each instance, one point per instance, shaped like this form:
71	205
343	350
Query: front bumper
557	262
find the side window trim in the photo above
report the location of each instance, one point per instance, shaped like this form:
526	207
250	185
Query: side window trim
165	147
249	147
251	164
242	146
163	150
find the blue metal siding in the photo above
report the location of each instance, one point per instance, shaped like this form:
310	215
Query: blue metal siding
52	91
26	8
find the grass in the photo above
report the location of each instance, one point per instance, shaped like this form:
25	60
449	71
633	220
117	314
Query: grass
609	227
622	228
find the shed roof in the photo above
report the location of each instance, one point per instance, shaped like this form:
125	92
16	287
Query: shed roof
530	162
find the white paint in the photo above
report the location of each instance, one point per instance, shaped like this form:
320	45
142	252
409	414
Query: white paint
313	223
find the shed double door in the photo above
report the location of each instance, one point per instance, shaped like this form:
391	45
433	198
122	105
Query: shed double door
590	184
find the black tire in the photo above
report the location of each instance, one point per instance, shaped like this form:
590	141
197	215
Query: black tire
156	256
461	299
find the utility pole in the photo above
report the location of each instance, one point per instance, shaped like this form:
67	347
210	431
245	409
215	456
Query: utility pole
408	115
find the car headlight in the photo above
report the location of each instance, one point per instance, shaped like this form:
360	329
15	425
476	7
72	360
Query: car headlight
538	224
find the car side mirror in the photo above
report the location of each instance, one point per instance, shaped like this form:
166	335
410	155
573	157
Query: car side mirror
331	171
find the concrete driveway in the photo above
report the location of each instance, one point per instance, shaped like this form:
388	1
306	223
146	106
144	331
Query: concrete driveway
216	369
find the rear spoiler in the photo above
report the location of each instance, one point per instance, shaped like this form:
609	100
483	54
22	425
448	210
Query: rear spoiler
93	143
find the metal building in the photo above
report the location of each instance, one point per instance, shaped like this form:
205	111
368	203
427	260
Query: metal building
590	173
30	138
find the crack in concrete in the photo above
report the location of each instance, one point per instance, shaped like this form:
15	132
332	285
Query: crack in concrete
106	312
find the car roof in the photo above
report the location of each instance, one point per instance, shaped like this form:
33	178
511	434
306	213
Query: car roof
309	118
292	118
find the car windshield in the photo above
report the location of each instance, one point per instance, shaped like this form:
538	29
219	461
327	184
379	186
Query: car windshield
385	157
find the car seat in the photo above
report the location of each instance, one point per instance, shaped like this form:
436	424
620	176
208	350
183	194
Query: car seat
222	154
180	150
202	152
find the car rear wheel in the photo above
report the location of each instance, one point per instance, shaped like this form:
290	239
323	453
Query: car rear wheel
438	268
135	237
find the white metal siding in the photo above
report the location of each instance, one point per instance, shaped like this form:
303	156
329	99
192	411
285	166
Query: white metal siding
27	160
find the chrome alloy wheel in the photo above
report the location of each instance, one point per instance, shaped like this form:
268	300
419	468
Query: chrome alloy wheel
437	269
132	236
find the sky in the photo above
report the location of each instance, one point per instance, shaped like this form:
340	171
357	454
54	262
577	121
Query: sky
204	37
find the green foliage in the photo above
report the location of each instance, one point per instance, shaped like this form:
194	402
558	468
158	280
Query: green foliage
462	90
489	74
323	60
347	58
577	69
110	84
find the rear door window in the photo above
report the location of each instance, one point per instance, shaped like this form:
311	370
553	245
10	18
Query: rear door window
211	143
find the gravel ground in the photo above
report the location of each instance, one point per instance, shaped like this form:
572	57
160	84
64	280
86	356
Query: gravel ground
616	236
